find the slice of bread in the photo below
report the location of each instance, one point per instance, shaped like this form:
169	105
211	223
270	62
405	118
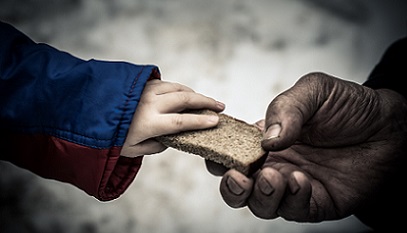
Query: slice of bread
232	143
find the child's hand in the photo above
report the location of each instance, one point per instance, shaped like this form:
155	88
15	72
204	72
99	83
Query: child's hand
159	113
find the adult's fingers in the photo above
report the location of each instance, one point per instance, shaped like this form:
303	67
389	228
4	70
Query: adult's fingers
235	188
260	124
268	192
215	169
296	203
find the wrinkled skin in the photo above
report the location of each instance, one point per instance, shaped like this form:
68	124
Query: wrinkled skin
340	152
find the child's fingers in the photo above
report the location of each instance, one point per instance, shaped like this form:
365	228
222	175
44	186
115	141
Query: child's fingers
146	147
175	123
179	101
159	87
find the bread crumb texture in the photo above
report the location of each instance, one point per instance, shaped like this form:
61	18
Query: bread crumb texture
232	143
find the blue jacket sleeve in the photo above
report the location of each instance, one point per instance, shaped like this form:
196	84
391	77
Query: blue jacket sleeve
73	106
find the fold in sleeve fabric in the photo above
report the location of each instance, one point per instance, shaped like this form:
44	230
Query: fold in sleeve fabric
65	118
391	71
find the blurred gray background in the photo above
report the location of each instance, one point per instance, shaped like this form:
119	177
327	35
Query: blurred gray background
240	52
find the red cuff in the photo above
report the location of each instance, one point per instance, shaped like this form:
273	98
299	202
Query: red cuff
101	173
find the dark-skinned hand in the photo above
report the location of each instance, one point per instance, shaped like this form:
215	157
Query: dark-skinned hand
336	148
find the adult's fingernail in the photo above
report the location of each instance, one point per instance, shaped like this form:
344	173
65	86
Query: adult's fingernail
265	187
273	131
234	187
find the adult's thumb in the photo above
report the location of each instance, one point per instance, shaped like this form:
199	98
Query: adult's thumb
287	114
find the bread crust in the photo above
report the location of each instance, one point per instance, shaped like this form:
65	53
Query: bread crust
232	143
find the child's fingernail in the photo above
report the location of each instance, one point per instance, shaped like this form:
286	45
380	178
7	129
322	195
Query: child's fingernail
220	105
213	119
273	131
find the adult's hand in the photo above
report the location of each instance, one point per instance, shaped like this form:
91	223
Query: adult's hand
336	147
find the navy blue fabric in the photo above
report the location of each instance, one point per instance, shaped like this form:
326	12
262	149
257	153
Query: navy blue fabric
47	91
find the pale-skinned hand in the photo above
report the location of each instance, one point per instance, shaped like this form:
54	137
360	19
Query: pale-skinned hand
159	112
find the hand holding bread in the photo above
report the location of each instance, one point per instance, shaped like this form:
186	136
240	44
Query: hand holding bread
233	143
